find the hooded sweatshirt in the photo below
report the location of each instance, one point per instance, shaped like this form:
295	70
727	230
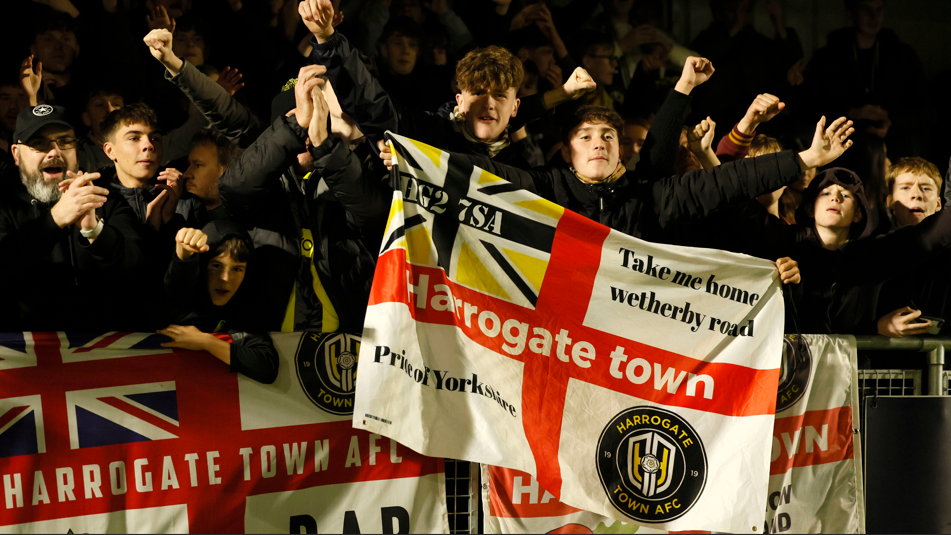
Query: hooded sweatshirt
186	286
841	287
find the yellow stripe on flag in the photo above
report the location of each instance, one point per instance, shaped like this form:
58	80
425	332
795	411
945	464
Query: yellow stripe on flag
486	177
543	207
418	245
395	208
533	268
432	153
473	273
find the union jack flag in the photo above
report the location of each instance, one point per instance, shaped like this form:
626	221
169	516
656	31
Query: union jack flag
451	216
111	431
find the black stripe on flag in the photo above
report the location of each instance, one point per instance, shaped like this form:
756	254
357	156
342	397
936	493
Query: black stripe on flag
400	231
510	271
495	189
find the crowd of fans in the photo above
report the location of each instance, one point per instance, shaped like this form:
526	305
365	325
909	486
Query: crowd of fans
145	187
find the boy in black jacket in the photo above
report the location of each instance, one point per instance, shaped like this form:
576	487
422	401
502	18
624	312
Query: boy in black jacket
212	290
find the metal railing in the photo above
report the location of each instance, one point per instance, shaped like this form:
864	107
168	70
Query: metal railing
461	500
890	383
934	346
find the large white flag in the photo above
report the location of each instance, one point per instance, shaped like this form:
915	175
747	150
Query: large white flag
633	380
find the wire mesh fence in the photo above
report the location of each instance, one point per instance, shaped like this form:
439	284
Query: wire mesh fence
461	500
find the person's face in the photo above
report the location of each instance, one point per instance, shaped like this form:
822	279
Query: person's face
487	112
835	208
204	170
400	53
43	167
136	150
593	150
189	46
543	57
913	198
868	17
529	86
601	65
800	185
56	49
96	110
225	276
632	140
12	101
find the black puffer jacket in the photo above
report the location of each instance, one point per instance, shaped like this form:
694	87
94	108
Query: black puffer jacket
339	210
345	205
841	287
57	280
645	210
186	285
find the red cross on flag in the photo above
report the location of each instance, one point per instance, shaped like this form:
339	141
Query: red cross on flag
633	380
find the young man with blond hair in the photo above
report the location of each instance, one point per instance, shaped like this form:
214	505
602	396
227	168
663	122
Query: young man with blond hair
914	194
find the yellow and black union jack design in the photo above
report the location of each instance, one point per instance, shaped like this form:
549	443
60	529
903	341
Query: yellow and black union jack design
480	229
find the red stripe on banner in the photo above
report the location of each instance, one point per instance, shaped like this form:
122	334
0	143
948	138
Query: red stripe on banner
102	344
8	416
507	486
125	406
815	437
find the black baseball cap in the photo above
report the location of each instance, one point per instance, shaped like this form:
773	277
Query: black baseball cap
31	119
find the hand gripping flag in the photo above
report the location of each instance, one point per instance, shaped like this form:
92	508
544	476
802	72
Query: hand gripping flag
633	380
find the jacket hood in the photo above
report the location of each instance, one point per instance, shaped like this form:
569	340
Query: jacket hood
220	231
846	179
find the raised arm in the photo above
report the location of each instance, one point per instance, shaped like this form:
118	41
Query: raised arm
354	185
698	194
736	144
659	155
700	139
245	184
220	108
360	95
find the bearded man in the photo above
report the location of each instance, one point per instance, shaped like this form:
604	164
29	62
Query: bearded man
67	245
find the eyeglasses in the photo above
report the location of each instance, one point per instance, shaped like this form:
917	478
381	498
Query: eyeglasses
611	58
44	145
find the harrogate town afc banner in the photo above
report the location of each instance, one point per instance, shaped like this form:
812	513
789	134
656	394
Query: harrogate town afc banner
815	483
111	433
514	502
632	380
